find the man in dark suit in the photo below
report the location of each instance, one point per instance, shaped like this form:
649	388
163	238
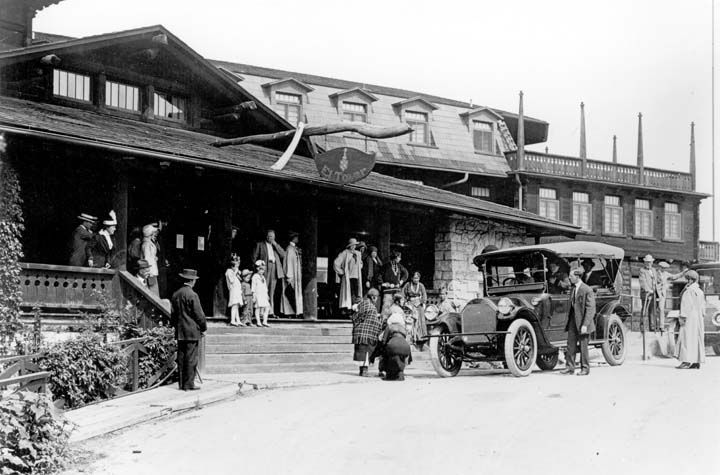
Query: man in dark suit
82	238
188	319
270	252
580	323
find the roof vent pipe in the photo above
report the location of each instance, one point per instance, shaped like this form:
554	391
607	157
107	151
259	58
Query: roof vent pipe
457	182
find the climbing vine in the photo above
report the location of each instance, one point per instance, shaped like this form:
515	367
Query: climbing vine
11	228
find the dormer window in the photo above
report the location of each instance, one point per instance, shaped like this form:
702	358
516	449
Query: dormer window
71	85
354	112
122	96
483	137
169	107
290	106
419	123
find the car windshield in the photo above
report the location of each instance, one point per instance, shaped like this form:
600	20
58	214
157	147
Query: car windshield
515	269
709	281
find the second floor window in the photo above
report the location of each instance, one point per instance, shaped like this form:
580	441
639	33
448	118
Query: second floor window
354	112
170	107
673	222
582	211
613	222
483	136
480	191
549	206
289	105
419	122
71	85
643	218
122	96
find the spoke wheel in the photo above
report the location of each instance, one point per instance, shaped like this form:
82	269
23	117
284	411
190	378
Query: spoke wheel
445	360
547	362
614	348
520	348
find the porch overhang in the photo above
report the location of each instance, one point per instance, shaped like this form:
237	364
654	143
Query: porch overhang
131	137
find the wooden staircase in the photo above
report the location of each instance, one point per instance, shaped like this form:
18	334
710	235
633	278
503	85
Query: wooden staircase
285	347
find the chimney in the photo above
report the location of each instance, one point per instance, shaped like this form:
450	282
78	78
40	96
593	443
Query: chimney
17	17
521	136
640	162
693	171
583	148
614	159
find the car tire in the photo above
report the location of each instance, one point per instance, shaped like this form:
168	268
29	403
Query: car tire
614	349
547	362
716	349
444	364
520	348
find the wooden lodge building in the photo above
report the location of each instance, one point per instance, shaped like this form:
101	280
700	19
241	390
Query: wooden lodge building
126	121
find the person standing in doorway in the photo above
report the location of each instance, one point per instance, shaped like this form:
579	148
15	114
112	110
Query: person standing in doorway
270	252
234	285
580	323
391	278
292	292
188	319
81	239
649	291
348	273
691	340
149	253
103	248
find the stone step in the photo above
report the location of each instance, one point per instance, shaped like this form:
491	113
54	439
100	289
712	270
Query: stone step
212	359
279	330
283	347
249	339
343	366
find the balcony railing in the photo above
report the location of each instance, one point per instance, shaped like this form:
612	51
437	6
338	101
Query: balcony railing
558	165
709	251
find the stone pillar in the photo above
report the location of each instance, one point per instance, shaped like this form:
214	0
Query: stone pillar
120	206
383	233
309	247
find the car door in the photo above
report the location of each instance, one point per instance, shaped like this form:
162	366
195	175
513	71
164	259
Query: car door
560	307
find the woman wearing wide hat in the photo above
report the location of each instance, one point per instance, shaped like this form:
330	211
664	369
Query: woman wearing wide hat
81	239
348	273
104	248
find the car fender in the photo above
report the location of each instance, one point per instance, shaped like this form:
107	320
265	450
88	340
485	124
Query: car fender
450	320
603	315
529	314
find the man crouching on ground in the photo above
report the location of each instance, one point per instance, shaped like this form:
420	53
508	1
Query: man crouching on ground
188	319
394	350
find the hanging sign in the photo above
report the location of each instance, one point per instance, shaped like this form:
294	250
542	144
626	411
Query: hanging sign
344	165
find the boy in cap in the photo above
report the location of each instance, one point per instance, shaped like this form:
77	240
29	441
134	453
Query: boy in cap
188	319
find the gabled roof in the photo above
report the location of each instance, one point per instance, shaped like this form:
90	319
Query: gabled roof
419	99
80	127
363	92
280	82
471	113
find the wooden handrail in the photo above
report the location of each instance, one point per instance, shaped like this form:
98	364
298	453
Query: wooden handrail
157	303
59	268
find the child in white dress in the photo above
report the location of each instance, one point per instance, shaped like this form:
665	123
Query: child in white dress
234	284
260	292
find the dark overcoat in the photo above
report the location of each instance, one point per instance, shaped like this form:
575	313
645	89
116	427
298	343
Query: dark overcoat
187	316
583	308
79	246
100	251
261	253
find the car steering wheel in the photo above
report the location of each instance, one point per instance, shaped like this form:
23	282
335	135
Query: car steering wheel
509	281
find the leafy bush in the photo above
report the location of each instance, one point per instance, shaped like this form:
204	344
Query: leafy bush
33	437
160	347
84	370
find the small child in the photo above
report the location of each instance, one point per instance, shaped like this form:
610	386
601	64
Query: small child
247	293
260	294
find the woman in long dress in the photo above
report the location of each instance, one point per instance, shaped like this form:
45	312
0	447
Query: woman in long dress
235	294
416	296
691	340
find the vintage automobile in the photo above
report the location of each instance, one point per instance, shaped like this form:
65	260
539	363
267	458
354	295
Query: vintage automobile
709	273
521	321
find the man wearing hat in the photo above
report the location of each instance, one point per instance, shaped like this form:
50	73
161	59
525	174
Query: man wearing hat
649	291
81	239
348	273
580	323
270	252
292	289
103	247
188	319
141	273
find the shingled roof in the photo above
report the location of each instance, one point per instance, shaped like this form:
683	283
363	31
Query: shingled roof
89	128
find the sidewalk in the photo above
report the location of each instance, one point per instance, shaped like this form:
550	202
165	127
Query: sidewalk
115	414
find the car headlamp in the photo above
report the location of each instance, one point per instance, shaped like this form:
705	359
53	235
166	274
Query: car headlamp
505	306
431	312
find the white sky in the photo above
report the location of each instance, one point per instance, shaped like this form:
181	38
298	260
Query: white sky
620	57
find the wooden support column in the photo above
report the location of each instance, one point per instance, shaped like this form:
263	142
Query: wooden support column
120	206
309	247
383	233
221	238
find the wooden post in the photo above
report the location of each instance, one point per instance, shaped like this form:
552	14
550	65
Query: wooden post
148	103
120	205
221	239
309	247
99	98
640	158
383	234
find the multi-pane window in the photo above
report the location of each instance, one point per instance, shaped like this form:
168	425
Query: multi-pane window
122	96
419	123
483	136
613	222
354	112
289	105
549	206
71	85
480	191
673	222
582	211
167	106
643	218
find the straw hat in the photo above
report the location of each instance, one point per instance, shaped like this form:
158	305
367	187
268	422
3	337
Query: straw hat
112	221
86	217
189	274
648	258
351	242
664	265
143	264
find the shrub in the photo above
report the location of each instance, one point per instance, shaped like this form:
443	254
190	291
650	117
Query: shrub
84	370
33	436
160	347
